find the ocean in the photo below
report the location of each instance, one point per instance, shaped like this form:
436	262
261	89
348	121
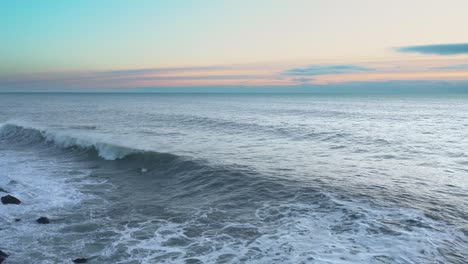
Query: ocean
234	178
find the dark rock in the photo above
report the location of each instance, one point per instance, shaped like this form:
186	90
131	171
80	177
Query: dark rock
8	199
43	220
3	190
80	260
3	256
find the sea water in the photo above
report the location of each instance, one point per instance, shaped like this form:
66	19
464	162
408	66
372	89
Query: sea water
234	178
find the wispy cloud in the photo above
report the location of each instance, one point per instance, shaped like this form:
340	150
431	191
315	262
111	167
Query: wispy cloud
147	71
303	80
235	75
181	76
315	70
452	67
437	49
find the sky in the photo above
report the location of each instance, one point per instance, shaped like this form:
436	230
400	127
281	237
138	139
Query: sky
114	44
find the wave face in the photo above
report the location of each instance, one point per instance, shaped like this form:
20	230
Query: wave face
57	143
22	134
254	179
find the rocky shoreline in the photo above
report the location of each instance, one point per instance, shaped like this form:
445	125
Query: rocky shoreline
10	200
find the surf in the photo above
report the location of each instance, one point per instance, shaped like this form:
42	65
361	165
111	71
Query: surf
33	136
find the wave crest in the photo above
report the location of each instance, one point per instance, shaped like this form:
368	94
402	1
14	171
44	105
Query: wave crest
28	135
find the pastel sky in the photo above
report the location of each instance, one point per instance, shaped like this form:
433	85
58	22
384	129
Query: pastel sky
89	44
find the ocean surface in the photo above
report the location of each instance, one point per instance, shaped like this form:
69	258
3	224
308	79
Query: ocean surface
205	178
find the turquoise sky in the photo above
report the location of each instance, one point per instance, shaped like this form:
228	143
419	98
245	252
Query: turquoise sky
185	43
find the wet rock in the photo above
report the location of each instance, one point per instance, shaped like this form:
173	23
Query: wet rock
8	199
3	256
3	190
43	220
80	260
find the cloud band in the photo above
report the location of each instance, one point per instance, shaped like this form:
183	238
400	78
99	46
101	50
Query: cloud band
439	49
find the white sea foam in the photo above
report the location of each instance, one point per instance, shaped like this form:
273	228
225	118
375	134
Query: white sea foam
46	187
382	155
302	233
36	183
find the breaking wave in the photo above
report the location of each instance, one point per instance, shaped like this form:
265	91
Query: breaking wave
29	135
219	214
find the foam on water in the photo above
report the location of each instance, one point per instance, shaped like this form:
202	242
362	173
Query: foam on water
46	186
37	184
329	230
264	180
293	233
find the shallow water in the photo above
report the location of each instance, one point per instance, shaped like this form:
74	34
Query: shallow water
152	178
